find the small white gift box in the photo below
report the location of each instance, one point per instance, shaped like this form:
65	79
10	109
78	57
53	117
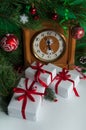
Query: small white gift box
65	83
26	103
41	73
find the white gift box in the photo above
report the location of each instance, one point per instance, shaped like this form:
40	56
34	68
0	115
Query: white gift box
65	87
32	108
45	77
58	69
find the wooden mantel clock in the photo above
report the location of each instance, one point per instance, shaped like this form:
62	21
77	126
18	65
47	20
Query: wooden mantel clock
49	45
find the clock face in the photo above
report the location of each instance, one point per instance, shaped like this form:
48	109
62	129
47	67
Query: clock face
48	46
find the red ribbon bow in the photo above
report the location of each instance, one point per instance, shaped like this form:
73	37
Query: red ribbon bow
40	70
26	93
64	76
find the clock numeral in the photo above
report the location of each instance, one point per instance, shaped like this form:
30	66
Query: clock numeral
55	34
49	33
61	50
49	56
38	51
37	39
59	39
42	55
56	55
42	35
36	45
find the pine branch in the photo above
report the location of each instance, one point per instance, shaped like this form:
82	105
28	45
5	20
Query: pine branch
76	10
49	94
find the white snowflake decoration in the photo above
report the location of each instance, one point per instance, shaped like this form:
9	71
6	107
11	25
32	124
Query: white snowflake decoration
23	18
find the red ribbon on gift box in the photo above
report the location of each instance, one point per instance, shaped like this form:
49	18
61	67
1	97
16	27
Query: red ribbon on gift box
26	94
40	70
79	69
64	76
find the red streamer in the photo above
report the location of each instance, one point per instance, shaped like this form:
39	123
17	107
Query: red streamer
26	93
78	69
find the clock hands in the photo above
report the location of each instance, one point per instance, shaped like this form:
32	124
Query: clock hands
49	50
48	43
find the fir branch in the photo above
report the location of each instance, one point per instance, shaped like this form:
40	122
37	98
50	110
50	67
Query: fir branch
44	9
7	77
49	94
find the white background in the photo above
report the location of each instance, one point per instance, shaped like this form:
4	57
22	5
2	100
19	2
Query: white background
66	114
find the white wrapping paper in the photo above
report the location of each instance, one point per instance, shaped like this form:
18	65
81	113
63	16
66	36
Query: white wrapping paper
65	88
32	108
45	77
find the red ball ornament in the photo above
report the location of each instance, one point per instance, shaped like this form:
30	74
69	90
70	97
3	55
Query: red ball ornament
54	16
36	17
9	42
33	10
77	32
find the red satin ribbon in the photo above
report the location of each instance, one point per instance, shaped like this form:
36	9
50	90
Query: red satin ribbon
77	68
64	76
40	70
26	93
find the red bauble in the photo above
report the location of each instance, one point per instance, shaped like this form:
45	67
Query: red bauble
36	17
9	42
77	32
54	16
33	10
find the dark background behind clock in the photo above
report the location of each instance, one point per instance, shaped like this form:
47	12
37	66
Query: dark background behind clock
81	52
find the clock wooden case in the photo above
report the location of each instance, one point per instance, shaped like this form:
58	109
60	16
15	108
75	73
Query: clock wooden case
49	45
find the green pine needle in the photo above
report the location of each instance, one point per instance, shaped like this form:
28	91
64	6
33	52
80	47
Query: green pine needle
50	94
